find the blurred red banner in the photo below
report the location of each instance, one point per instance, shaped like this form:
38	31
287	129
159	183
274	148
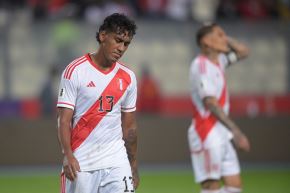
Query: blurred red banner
247	105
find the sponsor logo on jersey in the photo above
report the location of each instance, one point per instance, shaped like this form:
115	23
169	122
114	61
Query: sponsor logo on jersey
91	84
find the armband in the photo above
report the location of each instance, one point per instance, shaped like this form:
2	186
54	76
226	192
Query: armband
232	57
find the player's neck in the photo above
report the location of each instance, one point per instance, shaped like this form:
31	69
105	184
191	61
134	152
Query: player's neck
212	56
100	61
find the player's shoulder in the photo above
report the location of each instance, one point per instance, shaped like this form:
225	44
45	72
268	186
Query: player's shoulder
74	66
126	68
200	59
199	64
127	73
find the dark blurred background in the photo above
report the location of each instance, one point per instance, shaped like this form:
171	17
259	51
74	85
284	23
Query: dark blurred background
40	37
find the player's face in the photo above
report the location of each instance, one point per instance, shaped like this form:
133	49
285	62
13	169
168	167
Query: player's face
217	40
115	45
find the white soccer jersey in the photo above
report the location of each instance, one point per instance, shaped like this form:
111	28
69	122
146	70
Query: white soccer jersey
207	79
97	98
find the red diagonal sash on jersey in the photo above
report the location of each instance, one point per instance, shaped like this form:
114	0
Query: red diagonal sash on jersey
92	117
204	125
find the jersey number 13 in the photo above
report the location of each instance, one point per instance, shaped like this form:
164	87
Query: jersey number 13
109	103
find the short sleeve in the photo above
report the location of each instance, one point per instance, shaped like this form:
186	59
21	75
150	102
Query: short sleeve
129	103
67	93
201	80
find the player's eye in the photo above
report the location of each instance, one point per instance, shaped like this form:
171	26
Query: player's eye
118	40
126	44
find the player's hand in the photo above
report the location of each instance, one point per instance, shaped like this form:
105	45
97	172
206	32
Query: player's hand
242	142
136	178
70	167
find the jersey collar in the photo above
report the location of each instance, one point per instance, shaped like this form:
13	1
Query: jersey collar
97	68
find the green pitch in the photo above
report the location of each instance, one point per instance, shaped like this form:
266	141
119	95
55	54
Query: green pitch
255	181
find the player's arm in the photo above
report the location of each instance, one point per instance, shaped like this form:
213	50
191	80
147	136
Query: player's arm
240	49
70	163
129	127
240	140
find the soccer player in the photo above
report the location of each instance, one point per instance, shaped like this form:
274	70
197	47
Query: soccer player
96	115
214	158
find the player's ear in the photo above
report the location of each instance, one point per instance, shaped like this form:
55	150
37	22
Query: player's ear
206	41
102	36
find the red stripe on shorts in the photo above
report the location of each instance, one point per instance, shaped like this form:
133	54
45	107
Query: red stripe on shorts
62	183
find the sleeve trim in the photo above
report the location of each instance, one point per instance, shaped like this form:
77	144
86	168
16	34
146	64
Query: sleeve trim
63	103
207	94
128	109
67	105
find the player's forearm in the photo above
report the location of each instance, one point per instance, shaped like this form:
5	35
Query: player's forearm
64	119
130	139
129	127
64	135
213	106
241	49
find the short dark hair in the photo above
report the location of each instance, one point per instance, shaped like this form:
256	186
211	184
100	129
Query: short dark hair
118	23
203	31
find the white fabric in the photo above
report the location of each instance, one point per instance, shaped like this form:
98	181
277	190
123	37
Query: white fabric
215	162
115	179
228	59
210	191
207	79
229	189
232	57
104	146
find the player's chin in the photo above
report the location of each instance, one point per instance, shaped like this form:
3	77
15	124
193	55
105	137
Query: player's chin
114	59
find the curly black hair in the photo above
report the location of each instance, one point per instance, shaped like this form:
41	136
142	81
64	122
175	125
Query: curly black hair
203	31
118	23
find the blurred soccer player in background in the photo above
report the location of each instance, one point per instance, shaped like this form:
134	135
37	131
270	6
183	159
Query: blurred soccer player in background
96	115
213	156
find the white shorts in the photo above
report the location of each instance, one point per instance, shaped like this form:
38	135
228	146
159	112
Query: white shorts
110	180
215	162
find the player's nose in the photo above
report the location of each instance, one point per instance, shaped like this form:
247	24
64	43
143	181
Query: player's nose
121	48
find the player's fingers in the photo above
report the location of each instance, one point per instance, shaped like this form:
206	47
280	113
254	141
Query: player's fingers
136	182
73	171
248	146
67	172
245	145
78	168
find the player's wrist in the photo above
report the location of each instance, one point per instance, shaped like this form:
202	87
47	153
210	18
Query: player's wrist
68	154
